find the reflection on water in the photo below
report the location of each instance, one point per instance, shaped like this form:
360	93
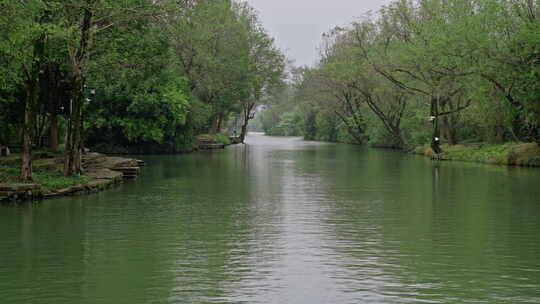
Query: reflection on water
280	220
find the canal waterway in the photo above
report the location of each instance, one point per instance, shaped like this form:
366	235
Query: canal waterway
281	220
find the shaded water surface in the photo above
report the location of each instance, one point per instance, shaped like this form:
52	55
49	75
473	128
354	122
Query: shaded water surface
282	221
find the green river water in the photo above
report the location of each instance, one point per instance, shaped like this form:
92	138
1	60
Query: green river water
280	220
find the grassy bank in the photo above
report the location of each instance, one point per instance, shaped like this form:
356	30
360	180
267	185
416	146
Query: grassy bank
101	172
217	138
511	154
47	173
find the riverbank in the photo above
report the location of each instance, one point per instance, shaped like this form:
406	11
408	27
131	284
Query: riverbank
101	172
509	154
196	143
506	154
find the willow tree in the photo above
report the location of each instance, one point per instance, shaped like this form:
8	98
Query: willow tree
411	46
211	45
266	65
506	55
358	88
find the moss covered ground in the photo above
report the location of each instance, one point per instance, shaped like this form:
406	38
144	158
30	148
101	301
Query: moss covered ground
512	154
218	138
47	173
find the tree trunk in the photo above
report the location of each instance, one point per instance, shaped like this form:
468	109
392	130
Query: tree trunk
449	121
72	164
435	139
350	129
498	136
215	125
396	133
449	130
40	123
30	108
53	133
219	123
243	131
27	129
51	95
248	108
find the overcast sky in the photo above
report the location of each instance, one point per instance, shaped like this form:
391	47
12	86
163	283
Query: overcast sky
298	25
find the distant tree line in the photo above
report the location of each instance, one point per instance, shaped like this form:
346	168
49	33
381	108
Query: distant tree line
149	74
421	72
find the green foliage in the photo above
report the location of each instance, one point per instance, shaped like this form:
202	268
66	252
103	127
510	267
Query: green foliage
147	76
289	124
212	47
8	173
149	116
327	128
459	71
166	71
222	139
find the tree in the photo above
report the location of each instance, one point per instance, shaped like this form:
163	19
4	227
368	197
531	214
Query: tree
266	66
86	20
211	45
343	66
24	49
507	56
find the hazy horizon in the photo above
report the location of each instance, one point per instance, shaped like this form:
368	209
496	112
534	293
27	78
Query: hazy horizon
298	25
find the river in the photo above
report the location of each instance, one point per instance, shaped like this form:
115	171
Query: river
281	220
